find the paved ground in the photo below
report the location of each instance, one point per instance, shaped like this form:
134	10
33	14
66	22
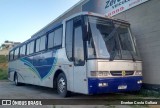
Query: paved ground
9	91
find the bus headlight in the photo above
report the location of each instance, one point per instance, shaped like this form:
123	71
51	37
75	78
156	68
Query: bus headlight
139	73
100	73
139	82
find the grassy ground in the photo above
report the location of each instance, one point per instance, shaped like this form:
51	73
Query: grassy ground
3	67
149	93
3	59
3	74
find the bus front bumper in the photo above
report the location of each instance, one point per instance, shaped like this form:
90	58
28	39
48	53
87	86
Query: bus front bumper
114	85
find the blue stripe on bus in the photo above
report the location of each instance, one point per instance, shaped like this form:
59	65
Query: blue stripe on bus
41	71
30	65
113	83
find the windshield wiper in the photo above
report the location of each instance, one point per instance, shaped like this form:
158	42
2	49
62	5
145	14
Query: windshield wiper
114	50
130	52
132	55
112	35
113	56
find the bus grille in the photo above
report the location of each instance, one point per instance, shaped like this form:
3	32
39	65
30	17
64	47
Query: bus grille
120	73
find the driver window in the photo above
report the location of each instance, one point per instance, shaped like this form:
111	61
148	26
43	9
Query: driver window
78	46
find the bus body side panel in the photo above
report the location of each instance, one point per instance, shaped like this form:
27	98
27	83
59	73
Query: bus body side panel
19	68
45	64
40	69
11	70
51	61
67	67
27	71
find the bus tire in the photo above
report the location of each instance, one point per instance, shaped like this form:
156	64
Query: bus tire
62	85
16	80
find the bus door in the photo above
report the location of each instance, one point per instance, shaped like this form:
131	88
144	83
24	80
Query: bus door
79	70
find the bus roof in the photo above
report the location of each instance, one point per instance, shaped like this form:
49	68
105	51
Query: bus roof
72	16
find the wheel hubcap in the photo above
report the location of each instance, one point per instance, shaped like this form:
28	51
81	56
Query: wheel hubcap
61	85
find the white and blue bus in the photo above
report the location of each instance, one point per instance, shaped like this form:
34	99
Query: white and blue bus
86	53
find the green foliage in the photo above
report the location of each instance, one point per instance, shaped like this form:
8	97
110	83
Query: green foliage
3	74
3	59
3	67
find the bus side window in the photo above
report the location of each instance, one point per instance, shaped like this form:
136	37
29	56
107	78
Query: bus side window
58	37
50	40
16	53
69	39
11	56
55	38
37	45
31	47
23	51
42	43
78	44
28	47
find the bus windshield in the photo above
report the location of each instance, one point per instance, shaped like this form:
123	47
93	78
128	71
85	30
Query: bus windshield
110	39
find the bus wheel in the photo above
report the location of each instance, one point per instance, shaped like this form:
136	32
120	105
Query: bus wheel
16	80
62	85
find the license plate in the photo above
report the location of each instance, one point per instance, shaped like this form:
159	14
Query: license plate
122	87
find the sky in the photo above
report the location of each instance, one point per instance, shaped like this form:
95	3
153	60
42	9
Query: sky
20	19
